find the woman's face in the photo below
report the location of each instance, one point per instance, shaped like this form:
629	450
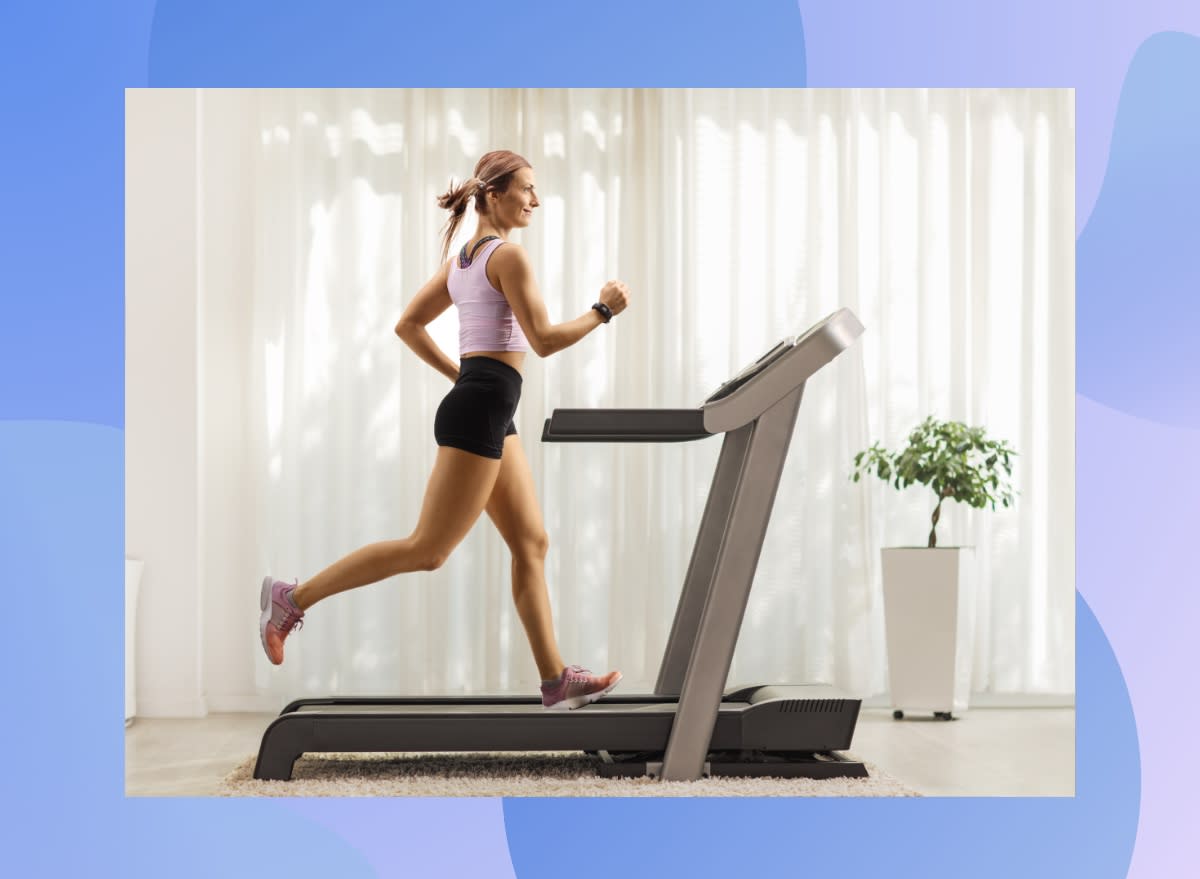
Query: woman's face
514	207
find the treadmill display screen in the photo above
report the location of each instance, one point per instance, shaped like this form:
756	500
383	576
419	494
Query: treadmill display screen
753	369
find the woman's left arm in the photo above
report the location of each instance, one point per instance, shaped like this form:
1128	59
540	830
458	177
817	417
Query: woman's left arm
430	301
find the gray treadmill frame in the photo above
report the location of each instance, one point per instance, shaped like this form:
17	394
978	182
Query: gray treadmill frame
758	418
729	542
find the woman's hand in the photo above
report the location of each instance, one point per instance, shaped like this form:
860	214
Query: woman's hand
615	295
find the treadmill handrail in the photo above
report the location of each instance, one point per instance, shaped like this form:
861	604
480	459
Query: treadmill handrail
727	411
624	425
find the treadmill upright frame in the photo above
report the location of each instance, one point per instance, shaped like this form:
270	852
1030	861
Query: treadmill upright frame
744	487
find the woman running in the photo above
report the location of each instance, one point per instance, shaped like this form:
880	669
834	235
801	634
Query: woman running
480	464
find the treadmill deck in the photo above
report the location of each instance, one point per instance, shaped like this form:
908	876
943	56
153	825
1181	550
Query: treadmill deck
768	721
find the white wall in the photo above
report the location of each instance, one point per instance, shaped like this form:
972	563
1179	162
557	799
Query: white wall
189	260
228	542
161	445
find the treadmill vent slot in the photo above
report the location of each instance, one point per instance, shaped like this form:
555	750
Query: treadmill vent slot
812	706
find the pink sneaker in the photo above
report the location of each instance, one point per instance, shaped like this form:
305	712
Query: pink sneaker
577	687
279	616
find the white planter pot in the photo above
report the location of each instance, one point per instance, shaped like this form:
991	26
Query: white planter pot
929	614
133	579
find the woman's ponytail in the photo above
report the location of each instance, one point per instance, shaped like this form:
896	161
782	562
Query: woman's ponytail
455	201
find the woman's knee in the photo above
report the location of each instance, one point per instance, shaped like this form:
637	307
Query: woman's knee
433	560
531	547
425	556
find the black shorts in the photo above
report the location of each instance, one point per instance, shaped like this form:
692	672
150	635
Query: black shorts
478	412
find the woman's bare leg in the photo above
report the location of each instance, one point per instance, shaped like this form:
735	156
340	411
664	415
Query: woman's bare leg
457	492
513	507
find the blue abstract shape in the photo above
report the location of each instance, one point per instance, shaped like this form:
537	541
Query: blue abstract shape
705	43
205	839
61	338
61	530
1091	834
432	843
1138	302
1137	573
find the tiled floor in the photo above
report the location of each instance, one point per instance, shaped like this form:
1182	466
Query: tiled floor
987	752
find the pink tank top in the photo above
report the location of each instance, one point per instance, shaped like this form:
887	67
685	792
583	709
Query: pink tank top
485	320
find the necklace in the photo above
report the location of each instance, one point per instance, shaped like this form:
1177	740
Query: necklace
464	260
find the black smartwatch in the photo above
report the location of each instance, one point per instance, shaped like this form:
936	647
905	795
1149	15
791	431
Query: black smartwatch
605	311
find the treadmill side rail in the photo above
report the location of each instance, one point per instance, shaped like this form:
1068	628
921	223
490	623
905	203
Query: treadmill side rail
757	764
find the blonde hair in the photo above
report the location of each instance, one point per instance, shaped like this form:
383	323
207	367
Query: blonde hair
493	173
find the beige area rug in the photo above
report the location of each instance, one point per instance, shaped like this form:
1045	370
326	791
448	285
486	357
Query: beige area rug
526	774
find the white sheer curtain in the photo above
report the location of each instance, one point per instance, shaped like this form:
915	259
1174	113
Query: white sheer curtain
943	219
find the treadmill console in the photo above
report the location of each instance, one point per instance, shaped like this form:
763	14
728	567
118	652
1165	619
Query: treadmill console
753	369
770	357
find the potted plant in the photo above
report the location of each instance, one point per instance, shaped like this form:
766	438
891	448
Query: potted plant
928	596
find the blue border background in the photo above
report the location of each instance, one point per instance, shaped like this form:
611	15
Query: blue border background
66	65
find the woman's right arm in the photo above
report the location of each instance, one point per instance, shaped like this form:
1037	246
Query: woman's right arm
430	301
515	274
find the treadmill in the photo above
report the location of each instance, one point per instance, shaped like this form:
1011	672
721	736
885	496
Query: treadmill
692	724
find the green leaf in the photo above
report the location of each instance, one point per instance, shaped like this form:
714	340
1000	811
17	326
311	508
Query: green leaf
953	460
